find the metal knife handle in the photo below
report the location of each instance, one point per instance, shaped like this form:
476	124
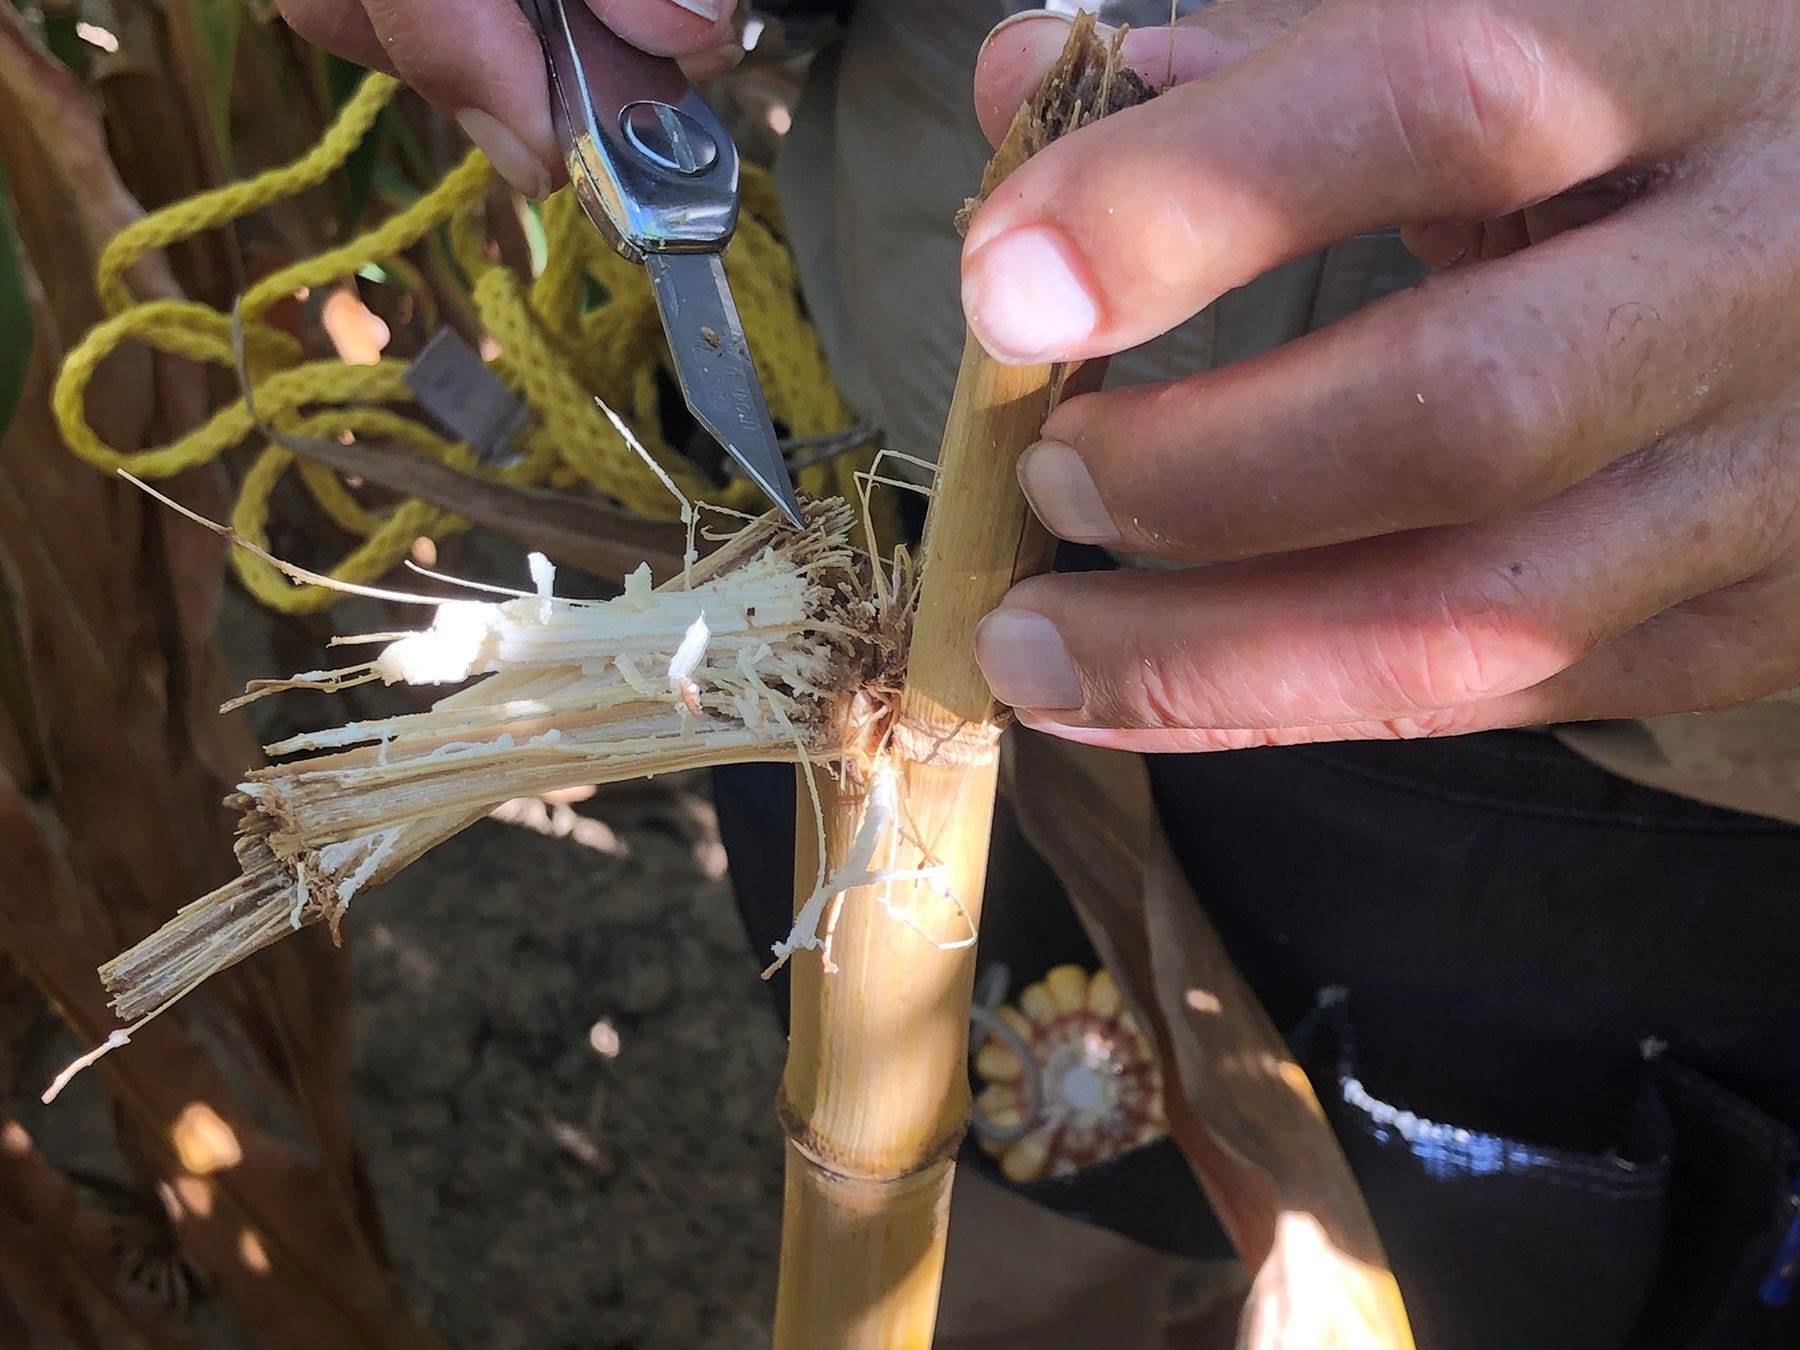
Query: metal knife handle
652	164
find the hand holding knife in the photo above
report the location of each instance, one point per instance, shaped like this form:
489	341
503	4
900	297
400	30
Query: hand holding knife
657	173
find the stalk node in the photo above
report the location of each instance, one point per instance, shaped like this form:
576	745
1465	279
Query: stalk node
829	1162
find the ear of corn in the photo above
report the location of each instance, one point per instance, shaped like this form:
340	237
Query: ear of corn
1087	1088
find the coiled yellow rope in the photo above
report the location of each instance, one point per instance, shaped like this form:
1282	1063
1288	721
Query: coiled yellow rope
554	354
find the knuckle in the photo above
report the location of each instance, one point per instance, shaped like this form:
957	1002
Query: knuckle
1464	85
1755	483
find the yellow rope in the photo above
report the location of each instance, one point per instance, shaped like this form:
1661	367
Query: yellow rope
556	355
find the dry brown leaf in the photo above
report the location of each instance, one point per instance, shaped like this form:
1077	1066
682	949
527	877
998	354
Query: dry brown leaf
140	612
113	613
57	1258
65	187
241	1191
152	97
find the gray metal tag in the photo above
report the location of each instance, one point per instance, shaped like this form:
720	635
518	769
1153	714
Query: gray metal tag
468	400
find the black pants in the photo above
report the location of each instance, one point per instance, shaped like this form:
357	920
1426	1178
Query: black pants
1560	1043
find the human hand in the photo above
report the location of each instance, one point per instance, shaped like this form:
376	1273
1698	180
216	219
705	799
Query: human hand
1558	481
480	62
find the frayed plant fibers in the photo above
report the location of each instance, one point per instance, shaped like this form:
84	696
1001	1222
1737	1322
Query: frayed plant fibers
774	647
882	829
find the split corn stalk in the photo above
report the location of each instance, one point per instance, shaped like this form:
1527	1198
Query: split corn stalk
875	1096
757	652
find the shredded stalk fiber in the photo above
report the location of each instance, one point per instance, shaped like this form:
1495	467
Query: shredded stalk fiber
765	650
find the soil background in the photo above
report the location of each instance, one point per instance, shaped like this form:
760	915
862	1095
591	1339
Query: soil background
565	1075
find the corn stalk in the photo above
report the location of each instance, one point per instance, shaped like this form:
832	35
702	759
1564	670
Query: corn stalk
875	1096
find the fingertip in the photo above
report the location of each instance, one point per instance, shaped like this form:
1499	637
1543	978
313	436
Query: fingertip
1064	496
486	71
1104	738
1028	296
340	27
1025	660
512	160
1442	244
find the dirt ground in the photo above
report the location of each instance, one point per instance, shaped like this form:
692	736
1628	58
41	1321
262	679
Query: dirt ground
564	1082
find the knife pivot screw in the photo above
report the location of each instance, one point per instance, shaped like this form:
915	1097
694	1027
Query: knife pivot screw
668	137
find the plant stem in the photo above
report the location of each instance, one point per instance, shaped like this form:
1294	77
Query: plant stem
875	1096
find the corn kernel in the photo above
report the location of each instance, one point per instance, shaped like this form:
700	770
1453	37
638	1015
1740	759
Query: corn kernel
1025	1160
1103	994
999	1105
997	1063
1068	986
1037	1004
1017	1020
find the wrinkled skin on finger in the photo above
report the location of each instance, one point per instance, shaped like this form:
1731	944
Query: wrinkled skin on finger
479	60
1558	481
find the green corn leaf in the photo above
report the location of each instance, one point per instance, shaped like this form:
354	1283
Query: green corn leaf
398	191
341	80
65	43
217	24
15	314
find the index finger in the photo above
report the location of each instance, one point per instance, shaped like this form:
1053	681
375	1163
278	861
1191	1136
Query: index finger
1366	113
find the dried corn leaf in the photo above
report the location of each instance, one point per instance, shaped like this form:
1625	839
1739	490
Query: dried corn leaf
15	314
164	123
265	1227
113	615
577	531
57	1257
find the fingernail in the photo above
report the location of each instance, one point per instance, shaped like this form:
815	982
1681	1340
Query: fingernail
1026	16
1063	494
710	10
506	152
1025	662
1024	297
1100	736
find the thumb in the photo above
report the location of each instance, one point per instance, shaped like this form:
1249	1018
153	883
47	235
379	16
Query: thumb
1021	49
